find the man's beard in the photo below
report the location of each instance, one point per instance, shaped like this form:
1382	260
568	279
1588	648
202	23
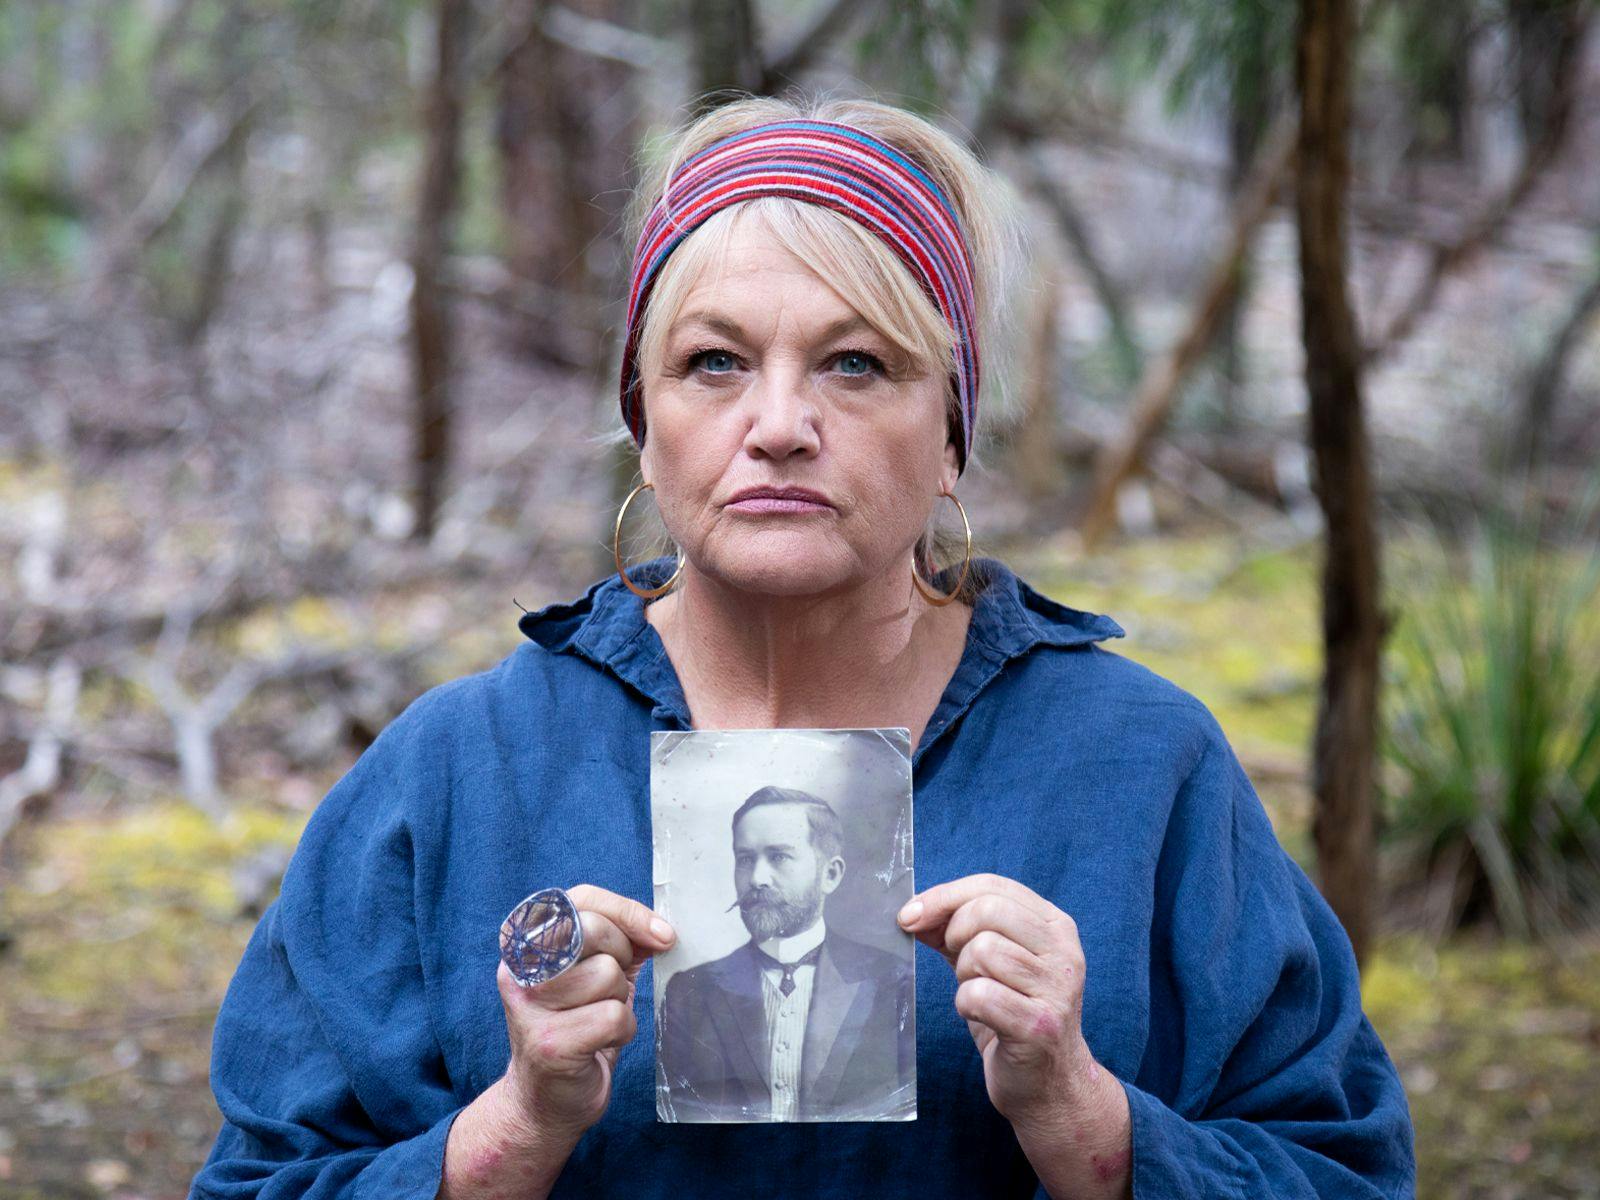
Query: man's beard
767	914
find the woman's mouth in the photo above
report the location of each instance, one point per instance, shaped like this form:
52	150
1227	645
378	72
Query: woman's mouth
770	501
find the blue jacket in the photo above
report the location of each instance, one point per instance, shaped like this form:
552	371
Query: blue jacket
1221	989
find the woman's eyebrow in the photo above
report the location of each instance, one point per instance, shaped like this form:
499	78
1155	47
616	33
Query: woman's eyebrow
715	323
855	323
728	327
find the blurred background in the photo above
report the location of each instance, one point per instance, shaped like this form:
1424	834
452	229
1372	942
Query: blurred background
308	337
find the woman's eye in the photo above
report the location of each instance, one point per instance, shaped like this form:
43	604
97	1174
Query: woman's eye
716	362
856	362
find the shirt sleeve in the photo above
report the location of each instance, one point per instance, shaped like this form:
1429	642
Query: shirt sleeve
1262	1077
324	1062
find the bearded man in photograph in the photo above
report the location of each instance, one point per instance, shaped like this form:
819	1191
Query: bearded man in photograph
800	1023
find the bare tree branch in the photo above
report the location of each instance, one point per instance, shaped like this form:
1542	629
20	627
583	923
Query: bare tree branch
202	144
40	772
1163	379
1075	228
810	43
1545	381
1452	256
603	39
196	719
574	30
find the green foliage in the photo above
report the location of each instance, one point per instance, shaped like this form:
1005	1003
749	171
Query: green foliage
41	218
1238	52
1493	736
920	49
98	99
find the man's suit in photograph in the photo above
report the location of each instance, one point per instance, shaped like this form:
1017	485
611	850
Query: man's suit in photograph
859	1056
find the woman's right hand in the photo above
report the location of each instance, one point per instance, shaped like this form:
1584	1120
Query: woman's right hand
566	1033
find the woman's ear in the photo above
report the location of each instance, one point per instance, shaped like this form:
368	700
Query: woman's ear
951	470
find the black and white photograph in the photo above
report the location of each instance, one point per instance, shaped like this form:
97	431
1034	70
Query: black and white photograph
781	858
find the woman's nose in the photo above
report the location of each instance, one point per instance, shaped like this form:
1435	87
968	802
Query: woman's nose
786	419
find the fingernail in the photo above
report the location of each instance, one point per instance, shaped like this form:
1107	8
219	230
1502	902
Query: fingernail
661	929
910	913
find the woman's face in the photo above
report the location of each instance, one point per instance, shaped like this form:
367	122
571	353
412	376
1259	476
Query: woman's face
769	383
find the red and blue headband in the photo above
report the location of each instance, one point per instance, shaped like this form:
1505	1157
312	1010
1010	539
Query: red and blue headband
841	168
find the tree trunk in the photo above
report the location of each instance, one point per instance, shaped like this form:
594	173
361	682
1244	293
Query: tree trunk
789	63
216	264
1251	97
1036	450
727	48
1544	50
565	126
432	337
1437	41
1343	767
1012	19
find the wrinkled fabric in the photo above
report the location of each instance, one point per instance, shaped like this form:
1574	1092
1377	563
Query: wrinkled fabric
1220	988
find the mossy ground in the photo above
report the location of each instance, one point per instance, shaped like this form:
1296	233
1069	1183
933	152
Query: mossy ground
121	933
122	929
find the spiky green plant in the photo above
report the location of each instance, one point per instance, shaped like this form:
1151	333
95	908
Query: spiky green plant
1493	731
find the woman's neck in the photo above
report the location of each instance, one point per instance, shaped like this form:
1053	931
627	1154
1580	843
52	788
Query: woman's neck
866	657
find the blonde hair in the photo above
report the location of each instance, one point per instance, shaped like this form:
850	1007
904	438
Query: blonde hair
849	258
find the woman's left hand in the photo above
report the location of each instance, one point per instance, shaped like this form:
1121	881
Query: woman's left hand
1020	969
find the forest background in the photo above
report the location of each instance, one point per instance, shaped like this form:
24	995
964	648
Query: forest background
308	317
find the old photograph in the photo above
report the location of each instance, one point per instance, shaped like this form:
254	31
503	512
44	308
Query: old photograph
781	857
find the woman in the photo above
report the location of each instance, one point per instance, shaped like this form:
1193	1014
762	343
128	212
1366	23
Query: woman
1126	986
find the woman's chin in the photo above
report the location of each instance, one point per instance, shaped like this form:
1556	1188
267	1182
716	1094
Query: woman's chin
782	564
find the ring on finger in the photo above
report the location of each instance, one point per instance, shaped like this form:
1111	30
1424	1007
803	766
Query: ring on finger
541	937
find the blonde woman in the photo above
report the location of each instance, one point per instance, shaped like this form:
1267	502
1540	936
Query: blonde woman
1124	986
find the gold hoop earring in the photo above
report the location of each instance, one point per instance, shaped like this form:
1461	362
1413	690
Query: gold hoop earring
934	598
616	552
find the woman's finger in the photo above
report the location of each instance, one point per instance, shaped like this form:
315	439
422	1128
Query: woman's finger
992	955
579	1032
927	913
1010	1014
595	978
601	936
1004	915
648	932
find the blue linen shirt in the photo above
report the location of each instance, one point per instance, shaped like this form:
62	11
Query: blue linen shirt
1221	990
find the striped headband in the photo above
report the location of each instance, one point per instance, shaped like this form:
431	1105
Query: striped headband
841	168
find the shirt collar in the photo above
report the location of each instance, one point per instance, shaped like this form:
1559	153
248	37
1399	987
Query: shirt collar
796	946
607	627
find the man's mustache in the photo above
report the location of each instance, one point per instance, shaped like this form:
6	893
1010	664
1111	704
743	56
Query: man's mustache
751	900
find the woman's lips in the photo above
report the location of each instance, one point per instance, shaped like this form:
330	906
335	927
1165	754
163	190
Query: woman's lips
778	500
777	504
